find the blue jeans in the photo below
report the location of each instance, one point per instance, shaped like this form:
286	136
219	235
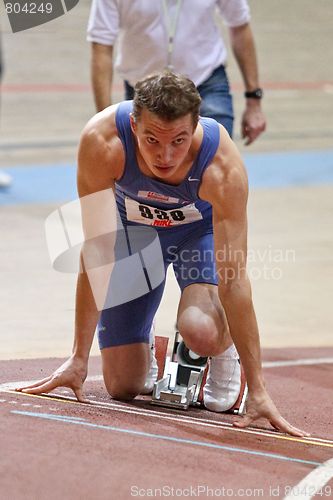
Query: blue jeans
215	95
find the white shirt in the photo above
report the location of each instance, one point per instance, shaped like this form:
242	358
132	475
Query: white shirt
141	30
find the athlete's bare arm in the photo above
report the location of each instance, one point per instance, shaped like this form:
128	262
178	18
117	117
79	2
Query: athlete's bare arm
225	186
100	163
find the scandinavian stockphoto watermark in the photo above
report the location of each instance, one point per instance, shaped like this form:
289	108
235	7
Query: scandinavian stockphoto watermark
24	14
123	263
265	263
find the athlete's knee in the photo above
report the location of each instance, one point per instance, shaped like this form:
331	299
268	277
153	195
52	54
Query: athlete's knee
200	335
124	390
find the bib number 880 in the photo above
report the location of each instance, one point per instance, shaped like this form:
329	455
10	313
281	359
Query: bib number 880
156	213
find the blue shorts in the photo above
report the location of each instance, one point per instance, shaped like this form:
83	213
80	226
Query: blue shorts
190	250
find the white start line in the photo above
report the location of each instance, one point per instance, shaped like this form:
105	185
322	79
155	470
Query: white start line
306	489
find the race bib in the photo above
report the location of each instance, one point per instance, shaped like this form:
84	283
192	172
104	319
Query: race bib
151	216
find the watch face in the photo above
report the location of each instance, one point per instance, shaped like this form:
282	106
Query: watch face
254	94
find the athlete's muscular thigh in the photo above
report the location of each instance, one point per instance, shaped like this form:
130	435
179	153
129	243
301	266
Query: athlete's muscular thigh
202	321
125	368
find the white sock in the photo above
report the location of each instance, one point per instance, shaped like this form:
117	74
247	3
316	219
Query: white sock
152	333
230	353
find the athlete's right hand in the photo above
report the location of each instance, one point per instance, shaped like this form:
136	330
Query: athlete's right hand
260	405
70	374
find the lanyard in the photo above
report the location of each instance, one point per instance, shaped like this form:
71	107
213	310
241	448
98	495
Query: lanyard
171	27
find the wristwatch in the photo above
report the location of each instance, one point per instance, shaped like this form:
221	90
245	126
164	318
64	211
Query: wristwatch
254	94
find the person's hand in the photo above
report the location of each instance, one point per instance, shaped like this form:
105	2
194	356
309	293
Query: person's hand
253	121
261	406
70	374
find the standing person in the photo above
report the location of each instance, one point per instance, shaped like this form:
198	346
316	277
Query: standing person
181	34
166	165
5	179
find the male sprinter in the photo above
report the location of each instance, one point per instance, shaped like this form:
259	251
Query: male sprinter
166	164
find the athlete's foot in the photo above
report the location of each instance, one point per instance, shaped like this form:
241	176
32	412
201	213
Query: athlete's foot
223	383
153	368
152	373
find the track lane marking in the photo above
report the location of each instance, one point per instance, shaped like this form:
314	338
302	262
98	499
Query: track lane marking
313	483
266	364
81	421
183	419
297	362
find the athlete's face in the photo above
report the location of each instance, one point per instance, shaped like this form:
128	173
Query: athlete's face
162	144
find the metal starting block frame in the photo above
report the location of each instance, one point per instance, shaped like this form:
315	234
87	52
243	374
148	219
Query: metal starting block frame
184	376
168	391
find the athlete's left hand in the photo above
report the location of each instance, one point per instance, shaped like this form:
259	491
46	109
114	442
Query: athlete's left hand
253	121
261	406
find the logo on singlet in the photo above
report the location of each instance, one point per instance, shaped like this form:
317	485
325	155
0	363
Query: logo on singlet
151	195
162	223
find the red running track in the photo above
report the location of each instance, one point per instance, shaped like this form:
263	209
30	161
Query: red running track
55	448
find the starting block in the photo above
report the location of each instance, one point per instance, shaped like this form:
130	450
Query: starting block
182	376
